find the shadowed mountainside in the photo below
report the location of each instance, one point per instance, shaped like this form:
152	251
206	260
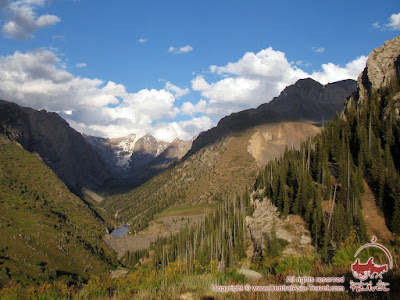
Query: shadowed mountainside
62	148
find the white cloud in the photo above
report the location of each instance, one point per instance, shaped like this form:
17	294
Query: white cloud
185	130
189	109
331	72
318	49
22	20
255	79
142	41
394	22
301	63
92	106
200	84
80	65
180	50
252	80
178	92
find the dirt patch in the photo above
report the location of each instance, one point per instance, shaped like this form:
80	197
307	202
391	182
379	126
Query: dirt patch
373	217
93	195
118	273
162	227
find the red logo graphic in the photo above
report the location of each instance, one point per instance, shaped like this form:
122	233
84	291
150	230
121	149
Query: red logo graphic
363	271
370	270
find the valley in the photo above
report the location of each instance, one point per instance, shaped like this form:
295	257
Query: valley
292	187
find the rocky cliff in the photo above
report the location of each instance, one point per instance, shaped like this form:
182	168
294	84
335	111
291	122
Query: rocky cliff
382	68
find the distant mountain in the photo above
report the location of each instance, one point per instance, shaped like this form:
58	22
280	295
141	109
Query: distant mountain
62	148
115	152
305	101
145	150
136	158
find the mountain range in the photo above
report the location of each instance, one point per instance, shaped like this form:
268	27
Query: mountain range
265	178
103	166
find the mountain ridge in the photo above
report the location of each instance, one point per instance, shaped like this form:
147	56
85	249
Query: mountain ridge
307	100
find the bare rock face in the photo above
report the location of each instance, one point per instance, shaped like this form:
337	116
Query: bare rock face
382	68
269	141
291	229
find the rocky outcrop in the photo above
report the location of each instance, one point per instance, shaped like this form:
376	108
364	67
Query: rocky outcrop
62	148
381	70
266	218
305	101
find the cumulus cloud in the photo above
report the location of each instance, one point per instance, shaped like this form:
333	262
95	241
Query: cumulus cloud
92	106
255	79
331	72
22	20
183	129
394	22
178	92
180	50
142	41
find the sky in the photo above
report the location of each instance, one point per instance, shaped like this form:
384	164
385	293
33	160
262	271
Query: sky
174	68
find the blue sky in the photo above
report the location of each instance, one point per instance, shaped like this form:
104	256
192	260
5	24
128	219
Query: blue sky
174	68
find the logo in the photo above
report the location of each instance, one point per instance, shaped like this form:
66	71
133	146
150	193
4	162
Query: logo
370	270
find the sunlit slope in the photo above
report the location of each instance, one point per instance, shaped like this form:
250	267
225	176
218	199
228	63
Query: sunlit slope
46	231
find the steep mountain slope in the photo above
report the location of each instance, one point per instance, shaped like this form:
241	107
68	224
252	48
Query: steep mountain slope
47	232
62	148
306	101
215	171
